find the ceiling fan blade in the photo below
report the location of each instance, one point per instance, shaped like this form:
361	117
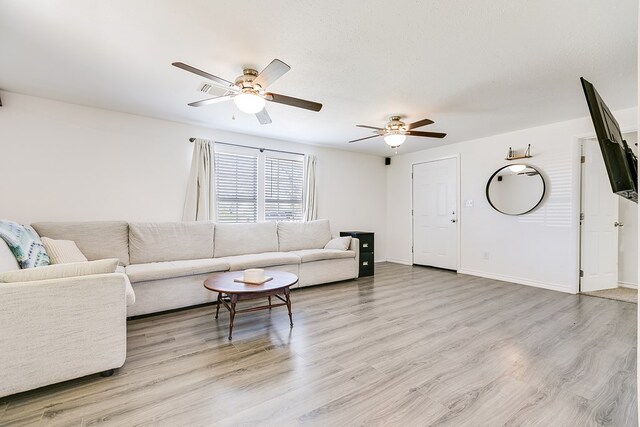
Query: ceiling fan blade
271	73
362	139
263	117
419	124
369	127
215	79
210	101
427	134
294	102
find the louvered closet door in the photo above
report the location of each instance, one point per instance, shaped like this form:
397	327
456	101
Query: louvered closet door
236	187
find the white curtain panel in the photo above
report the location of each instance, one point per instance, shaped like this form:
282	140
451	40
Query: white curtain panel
200	199
310	189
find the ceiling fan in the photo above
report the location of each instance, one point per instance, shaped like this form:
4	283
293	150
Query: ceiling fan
248	90
396	131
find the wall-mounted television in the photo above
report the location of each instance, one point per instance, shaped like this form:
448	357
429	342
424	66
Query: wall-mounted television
619	159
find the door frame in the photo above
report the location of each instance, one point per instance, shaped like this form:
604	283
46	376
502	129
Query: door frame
457	199
577	150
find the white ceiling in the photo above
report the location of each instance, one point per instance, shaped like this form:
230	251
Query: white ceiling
476	68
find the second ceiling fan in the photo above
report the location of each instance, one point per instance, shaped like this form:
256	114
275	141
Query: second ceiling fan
396	131
248	91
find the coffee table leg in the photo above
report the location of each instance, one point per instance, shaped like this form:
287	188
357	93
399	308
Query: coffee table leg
234	300
218	305
269	302
288	299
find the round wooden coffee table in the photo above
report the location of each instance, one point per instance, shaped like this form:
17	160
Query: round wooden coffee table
224	284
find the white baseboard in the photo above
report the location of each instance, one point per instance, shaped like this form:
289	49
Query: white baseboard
398	261
628	285
518	280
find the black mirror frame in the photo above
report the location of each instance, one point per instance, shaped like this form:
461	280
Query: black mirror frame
544	191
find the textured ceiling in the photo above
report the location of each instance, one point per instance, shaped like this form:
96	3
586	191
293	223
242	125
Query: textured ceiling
476	68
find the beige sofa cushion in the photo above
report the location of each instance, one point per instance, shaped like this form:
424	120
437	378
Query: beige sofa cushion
62	251
308	255
340	243
95	239
170	241
167	270
241	239
128	291
293	236
267	259
8	261
60	271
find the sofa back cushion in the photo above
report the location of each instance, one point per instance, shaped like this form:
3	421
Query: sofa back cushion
241	239
170	241
8	261
95	239
294	236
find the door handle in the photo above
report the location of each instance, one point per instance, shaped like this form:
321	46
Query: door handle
618	224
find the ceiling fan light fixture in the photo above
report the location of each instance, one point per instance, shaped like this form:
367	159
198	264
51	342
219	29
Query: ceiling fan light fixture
249	102
394	139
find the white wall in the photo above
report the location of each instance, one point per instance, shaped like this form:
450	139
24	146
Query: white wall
538	249
65	162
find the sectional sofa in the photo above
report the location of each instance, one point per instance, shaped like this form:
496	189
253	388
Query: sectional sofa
66	328
168	262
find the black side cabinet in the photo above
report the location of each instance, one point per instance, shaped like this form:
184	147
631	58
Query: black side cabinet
366	250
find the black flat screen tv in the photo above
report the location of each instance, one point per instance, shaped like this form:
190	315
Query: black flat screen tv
619	159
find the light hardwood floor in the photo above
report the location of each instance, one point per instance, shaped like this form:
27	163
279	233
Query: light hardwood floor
411	346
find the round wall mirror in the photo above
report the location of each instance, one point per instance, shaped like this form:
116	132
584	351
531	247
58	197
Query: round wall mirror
515	189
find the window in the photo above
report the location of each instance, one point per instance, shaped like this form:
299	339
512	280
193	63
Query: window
253	186
283	183
236	187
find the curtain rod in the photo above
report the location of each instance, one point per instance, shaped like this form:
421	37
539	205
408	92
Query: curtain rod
253	148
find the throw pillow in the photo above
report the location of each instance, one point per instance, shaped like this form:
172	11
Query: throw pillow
340	243
61	271
62	251
24	243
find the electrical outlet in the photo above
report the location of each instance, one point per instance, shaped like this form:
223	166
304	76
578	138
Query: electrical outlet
485	255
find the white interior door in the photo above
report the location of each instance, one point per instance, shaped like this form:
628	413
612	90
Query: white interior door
599	239
435	214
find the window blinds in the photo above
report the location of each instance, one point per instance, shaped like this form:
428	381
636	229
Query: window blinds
236	187
283	184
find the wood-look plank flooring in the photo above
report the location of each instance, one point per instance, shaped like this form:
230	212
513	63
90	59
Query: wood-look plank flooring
410	346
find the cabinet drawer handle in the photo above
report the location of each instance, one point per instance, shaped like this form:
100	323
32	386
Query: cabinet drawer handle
365	245
365	263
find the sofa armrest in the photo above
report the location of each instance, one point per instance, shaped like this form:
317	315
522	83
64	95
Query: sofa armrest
59	329
355	246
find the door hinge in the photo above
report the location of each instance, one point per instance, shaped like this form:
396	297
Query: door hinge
581	273
582	159
411	212
581	216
